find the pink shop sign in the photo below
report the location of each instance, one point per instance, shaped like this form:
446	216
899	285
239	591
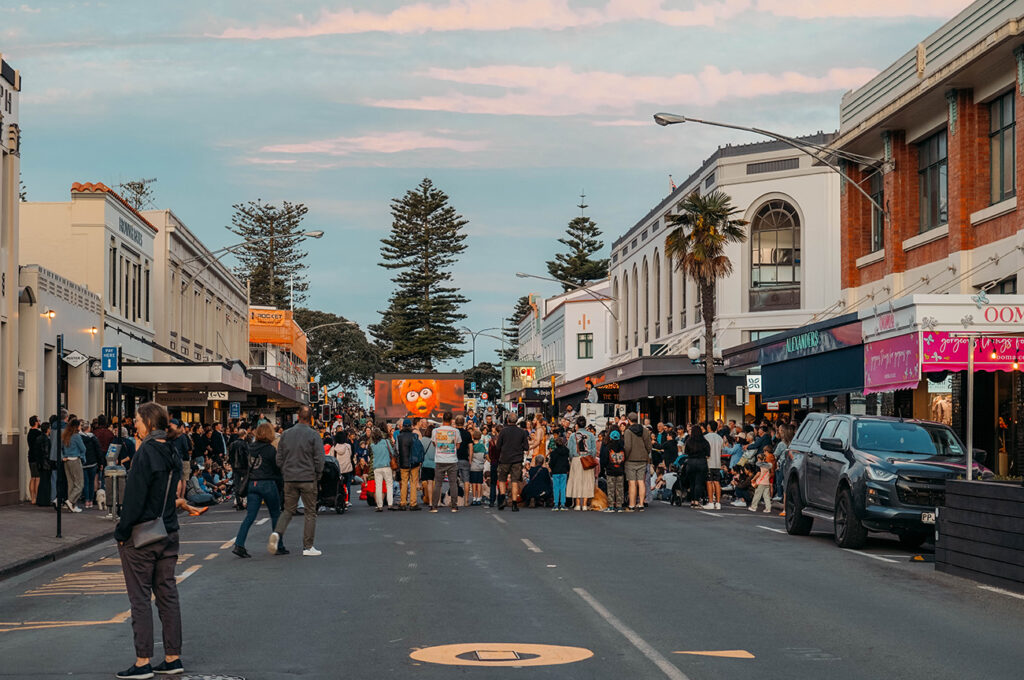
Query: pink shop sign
893	364
941	352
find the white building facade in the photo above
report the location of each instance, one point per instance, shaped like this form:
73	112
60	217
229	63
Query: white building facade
10	174
792	206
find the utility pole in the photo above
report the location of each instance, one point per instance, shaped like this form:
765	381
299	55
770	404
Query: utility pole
60	443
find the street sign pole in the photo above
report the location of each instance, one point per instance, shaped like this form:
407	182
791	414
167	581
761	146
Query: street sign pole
120	396
60	445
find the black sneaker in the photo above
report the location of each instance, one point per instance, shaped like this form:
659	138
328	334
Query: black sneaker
281	550
237	550
169	668
137	672
515	506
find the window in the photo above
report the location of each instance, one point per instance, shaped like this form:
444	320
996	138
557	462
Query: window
1003	151
773	166
933	182
709	180
1007	286
775	257
877	191
112	293
146	293
758	335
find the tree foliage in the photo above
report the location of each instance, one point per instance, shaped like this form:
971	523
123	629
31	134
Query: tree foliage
487	378
419	327
701	231
138	193
340	356
577	265
273	259
511	330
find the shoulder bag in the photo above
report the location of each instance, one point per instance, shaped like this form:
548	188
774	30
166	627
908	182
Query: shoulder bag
394	455
147	533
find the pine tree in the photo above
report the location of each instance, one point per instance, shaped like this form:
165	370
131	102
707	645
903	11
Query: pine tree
511	331
577	266
138	193
418	329
272	259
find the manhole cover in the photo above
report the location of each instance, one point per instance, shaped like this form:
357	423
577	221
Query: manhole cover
501	654
211	676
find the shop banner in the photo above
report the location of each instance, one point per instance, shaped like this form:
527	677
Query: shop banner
892	364
942	352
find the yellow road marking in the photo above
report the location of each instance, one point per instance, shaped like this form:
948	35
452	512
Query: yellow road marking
227	544
725	654
508	654
39	625
211	556
188	572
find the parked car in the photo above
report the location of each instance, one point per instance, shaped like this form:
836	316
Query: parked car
871	473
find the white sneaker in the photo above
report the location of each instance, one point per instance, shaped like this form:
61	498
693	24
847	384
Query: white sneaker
75	508
272	544
311	552
718	506
739	504
709	506
767	510
68	506
752	508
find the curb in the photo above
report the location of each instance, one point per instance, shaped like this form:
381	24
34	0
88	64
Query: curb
9	570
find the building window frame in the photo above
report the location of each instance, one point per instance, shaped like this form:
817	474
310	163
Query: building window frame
876	188
584	345
933	181
1002	148
776	260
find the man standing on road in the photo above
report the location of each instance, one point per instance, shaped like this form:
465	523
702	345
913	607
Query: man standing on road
410	456
300	455
637	444
714	483
446	441
465	447
513	443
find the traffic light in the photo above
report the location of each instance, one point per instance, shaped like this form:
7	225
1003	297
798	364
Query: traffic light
520	410
325	413
314	393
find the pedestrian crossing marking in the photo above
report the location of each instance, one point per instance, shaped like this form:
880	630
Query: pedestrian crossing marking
725	654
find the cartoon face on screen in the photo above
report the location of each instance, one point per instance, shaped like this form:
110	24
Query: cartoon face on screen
421	397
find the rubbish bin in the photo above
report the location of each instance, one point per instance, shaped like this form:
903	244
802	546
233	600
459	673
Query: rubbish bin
114	479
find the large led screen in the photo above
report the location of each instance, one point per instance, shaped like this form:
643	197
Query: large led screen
423	395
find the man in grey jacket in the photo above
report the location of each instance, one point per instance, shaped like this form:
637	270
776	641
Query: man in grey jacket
300	455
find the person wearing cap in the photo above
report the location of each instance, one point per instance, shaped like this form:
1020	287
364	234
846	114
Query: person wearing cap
409	474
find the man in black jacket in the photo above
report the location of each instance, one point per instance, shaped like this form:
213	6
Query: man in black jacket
513	443
409	474
238	454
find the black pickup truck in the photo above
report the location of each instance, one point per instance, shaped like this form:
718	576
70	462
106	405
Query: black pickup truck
871	473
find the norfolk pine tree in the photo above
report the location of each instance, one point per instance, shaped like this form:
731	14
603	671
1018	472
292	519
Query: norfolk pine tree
273	262
418	329
577	266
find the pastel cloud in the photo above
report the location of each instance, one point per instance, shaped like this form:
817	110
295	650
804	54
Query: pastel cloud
381	143
501	15
560	91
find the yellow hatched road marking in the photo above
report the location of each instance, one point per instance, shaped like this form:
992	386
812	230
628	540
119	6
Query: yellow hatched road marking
725	654
39	625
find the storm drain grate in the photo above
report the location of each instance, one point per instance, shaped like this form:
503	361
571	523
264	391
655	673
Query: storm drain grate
210	676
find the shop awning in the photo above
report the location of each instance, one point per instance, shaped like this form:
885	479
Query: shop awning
892	364
817	375
179	377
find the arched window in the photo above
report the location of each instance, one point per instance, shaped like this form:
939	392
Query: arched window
646	308
775	257
657	296
618	311
625	307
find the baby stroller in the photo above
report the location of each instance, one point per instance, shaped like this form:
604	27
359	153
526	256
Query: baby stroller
332	491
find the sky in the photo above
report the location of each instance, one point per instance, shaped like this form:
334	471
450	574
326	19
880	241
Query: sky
512	107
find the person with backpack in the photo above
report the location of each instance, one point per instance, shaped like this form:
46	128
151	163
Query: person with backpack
410	457
342	452
424	430
613	462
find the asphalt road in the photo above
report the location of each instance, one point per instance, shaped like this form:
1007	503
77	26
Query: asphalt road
627	592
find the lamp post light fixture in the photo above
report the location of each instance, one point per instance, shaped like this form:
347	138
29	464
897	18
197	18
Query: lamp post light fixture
49	313
822	154
333	323
475	334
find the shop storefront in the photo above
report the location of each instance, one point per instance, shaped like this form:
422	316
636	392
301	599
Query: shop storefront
917	356
815	367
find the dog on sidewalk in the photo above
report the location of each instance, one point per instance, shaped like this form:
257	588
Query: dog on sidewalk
101	499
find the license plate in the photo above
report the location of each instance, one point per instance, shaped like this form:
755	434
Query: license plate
928	517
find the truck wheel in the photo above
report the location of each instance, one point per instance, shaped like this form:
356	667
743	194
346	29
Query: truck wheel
850	533
797	524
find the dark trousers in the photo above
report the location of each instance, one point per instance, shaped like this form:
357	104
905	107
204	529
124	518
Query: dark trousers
292	491
257	493
149	571
494	483
698	476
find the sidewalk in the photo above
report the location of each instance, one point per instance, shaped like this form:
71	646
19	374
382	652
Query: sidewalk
29	535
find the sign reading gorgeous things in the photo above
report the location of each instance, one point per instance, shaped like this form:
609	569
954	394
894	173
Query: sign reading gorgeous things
943	352
424	395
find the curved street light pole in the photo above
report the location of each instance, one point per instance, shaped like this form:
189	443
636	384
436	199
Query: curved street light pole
474	335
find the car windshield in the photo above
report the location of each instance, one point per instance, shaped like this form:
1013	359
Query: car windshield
895	437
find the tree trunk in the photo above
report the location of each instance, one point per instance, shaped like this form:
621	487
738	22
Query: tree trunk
707	301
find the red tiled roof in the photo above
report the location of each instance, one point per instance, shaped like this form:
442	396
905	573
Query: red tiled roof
100	187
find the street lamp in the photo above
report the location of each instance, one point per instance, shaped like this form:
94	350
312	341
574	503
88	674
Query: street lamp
333	323
480	332
597	296
818	152
221	252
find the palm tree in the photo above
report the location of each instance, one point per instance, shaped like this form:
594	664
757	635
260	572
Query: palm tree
703	228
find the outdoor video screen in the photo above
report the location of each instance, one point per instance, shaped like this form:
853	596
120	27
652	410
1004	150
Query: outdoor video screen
424	395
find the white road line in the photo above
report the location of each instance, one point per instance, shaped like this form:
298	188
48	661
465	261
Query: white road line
188	572
711	514
530	545
499	519
651	653
1000	591
778	531
410	553
263	521
227	544
874	557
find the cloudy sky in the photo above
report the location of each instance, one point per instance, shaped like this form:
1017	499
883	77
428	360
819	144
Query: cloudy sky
513	107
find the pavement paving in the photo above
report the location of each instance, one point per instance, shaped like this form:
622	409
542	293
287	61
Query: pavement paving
30	535
670	593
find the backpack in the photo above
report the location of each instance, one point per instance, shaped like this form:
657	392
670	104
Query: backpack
616	458
417	453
